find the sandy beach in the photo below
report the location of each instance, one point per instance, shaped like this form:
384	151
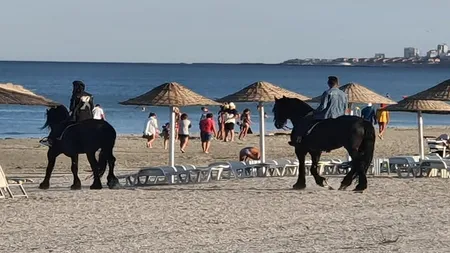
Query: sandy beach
249	215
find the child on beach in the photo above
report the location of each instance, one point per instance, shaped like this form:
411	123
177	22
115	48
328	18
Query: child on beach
165	134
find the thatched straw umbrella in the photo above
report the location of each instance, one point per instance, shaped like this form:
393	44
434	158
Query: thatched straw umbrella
359	94
18	95
439	92
420	106
261	92
171	95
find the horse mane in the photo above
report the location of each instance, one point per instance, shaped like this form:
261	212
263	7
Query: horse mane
295	104
56	115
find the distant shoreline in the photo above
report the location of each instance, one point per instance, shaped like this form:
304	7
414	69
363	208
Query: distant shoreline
404	65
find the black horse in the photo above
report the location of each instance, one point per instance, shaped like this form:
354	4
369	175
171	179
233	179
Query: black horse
85	137
353	133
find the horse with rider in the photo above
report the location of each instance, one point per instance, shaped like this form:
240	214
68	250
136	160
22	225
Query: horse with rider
74	132
324	129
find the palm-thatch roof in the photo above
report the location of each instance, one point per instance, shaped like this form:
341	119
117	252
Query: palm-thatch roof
261	92
426	106
439	92
170	94
18	95
359	94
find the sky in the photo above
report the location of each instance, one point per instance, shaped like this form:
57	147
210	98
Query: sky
221	31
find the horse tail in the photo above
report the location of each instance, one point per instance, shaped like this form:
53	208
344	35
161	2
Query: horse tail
102	161
368	144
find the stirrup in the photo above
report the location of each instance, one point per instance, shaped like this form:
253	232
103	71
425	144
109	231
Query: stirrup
44	141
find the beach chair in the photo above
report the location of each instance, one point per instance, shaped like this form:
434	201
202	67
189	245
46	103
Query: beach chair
5	186
236	169
286	167
404	166
150	176
435	166
217	168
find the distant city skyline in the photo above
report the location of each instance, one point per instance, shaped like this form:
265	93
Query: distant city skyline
216	31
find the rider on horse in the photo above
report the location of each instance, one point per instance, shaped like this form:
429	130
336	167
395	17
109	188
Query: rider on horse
81	103
81	106
333	104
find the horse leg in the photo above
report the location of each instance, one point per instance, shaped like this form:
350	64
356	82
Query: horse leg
113	182
51	157
74	167
321	181
347	181
301	181
97	185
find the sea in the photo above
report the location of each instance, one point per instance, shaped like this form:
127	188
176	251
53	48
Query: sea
111	83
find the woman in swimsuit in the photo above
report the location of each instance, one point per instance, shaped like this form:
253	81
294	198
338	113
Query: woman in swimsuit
245	125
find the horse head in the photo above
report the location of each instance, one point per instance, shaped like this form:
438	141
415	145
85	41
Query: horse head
286	109
56	115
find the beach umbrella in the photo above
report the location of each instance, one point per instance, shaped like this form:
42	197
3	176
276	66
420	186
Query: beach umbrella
420	106
358	94
261	92
439	92
170	95
18	95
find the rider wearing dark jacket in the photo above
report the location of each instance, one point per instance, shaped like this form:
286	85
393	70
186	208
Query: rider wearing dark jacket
333	104
81	103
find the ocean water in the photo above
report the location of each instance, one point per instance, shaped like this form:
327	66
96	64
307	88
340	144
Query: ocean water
111	83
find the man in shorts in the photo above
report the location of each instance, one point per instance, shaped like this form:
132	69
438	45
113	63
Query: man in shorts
207	131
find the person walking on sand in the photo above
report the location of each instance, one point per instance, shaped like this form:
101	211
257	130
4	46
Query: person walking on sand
383	119
333	104
151	129
245	123
207	131
98	113
183	134
369	114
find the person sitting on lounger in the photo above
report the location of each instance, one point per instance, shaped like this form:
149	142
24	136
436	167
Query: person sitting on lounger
249	153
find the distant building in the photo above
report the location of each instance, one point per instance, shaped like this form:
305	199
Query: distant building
442	49
410	52
432	54
380	56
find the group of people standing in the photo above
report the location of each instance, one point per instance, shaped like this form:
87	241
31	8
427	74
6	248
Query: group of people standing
227	119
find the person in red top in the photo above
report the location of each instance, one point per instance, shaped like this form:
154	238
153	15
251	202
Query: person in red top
207	131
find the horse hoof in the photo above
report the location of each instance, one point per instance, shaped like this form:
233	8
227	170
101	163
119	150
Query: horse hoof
113	185
358	191
298	187
330	188
343	187
75	187
96	187
44	186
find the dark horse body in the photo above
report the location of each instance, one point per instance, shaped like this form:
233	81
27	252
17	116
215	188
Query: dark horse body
353	133
85	137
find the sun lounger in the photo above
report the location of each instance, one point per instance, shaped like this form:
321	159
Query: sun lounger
5	186
237	169
286	167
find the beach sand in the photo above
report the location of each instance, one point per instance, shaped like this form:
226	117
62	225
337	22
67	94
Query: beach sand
248	215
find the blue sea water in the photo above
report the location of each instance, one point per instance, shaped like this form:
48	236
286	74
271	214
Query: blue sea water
111	83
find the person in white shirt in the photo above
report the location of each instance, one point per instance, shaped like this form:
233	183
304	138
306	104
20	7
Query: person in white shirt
98	113
151	129
183	132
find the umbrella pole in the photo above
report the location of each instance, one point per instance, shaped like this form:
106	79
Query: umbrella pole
262	143
172	137
420	122
350	107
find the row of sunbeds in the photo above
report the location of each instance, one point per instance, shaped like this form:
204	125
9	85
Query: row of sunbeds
187	174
